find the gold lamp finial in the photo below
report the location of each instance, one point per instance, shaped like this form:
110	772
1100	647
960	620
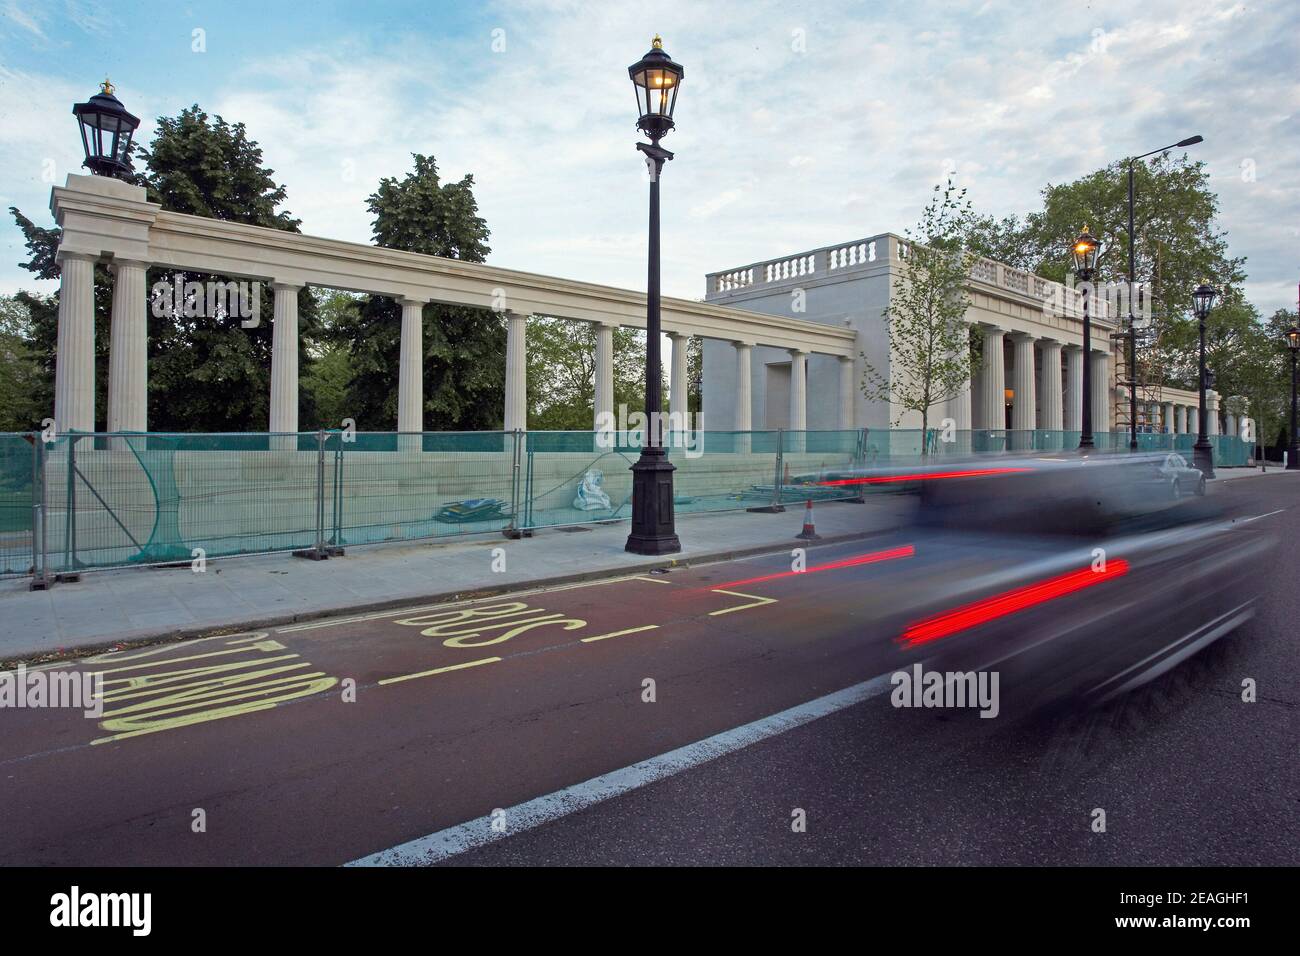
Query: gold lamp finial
1085	229
106	87
657	42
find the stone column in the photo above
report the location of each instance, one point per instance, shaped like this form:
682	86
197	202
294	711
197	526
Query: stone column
1073	414
846	418
993	381
1169	418
1193	420
603	407
1212	413
744	386
1024	410
516	408
128	350
284	359
1050	394
798	397
678	387
410	376
1100	392
1180	420
74	356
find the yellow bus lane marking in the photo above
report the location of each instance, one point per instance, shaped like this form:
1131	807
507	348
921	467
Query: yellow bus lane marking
754	599
630	630
152	700
439	670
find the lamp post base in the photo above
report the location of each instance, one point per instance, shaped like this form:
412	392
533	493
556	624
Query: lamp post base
1203	458
653	530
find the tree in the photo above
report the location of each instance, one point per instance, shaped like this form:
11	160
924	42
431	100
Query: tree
464	368
20	369
929	344
562	373
205	373
327	377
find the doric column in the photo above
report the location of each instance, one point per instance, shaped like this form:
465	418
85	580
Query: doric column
1073	413
1180	420
1230	423
74	357
1024	409
603	406
284	359
1193	420
993	380
744	386
848	396
1050	394
798	390
516	409
1169	418
410	368
678	387
1212	413
1100	392
128	350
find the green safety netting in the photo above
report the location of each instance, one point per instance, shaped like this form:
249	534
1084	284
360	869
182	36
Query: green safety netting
112	500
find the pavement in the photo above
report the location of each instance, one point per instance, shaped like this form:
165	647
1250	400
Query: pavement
689	716
140	605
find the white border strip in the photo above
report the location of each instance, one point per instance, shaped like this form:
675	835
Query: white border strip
437	847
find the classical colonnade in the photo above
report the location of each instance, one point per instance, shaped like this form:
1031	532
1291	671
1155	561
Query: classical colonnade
105	220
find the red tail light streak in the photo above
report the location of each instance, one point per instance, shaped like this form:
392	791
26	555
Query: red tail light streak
1009	602
923	476
890	554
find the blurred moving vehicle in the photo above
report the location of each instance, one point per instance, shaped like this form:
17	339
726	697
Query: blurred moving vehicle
1183	478
1073	576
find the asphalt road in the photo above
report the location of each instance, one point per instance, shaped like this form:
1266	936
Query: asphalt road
332	741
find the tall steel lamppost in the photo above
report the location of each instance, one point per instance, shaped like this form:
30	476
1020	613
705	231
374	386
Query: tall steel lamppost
655	78
1084	252
1292	336
1131	332
1203	297
106	131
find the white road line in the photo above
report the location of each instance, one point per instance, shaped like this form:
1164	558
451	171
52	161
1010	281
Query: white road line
525	816
1257	517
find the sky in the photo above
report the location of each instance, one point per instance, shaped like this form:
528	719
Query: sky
798	125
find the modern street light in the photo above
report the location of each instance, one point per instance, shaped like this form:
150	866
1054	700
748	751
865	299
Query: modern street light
1292	336
1084	252
656	79
1131	333
106	131
1202	454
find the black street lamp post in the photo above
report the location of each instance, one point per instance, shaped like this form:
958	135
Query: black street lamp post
1292	336
655	79
106	131
1202	454
1131	332
1084	252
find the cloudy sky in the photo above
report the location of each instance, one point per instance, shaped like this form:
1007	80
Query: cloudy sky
799	125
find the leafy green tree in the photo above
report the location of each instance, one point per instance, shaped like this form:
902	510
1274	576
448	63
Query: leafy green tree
464	348
20	369
929	344
562	373
328	376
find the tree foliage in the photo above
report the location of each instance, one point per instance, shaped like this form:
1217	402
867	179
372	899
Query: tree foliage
930	358
464	348
562	373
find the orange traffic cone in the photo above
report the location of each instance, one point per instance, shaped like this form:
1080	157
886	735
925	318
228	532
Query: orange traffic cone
809	532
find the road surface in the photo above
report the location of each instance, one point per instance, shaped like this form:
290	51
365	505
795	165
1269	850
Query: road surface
564	727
